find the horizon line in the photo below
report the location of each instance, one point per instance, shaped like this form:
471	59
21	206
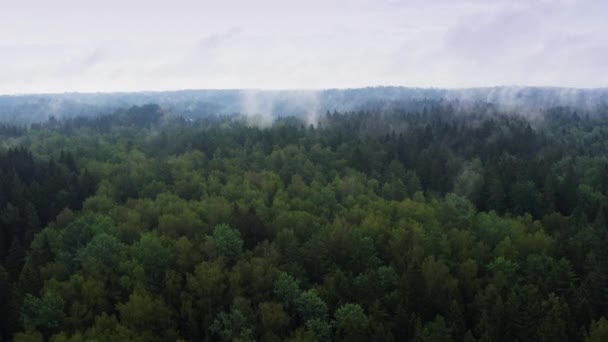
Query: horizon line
143	91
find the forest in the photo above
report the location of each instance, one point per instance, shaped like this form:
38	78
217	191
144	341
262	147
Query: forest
431	222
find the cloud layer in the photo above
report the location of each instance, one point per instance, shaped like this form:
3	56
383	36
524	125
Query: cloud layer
111	45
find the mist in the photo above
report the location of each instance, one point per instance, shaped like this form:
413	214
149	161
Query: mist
262	107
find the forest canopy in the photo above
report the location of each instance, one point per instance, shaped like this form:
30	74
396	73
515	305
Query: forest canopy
431	222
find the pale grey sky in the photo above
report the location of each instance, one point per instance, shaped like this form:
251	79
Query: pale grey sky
130	45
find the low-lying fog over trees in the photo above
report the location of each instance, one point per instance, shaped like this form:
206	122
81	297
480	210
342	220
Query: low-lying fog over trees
382	214
310	104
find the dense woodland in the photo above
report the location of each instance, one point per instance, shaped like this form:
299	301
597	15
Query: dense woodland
428	223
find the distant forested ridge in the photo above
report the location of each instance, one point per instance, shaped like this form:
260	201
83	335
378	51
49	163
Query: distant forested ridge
422	218
196	104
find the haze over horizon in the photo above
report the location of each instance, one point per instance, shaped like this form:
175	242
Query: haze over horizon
515	89
109	46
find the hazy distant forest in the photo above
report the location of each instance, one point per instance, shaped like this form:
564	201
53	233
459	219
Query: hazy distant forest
423	220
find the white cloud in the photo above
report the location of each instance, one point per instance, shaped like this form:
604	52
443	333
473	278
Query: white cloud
111	45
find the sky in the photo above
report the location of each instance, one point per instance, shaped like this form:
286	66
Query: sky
135	45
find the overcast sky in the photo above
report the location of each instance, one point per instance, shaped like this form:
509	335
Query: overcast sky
130	45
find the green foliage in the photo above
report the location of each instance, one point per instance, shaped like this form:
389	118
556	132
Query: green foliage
434	331
232	326
320	328
44	314
8	307
273	317
102	250
150	228
227	241
146	315
286	289
310	306
598	331
351	323
154	257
